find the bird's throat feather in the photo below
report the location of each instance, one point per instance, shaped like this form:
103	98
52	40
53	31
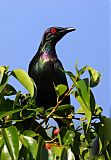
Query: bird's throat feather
45	57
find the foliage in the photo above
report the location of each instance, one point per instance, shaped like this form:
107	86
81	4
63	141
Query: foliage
23	136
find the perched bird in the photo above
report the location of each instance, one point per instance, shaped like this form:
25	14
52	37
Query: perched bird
45	68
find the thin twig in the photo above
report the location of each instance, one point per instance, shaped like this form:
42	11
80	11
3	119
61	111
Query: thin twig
55	108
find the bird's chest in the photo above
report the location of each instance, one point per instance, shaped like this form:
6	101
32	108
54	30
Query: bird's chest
45	64
44	70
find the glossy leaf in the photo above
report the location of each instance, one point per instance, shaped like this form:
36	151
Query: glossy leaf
84	152
55	149
70	155
101	157
84	92
6	108
29	133
60	89
40	149
4	82
80	110
71	75
66	106
24	79
83	95
6	113
30	144
2	70
67	154
105	132
64	154
1	97
94	77
109	149
98	110
11	139
69	137
84	107
5	154
61	108
1	141
92	102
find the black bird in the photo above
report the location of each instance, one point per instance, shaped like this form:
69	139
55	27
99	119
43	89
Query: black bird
45	68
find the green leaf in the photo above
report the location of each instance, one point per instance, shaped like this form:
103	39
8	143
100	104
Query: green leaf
6	105
94	77
6	108
70	155
4	82
85	97
101	157
4	113
109	149
11	139
64	110
2	70
61	108
84	152
24	79
105	132
98	110
54	150
1	97
80	110
83	90
30	144
76	66
64	154
67	154
92	102
82	70
5	154
40	148
1	141
84	107
9	90
29	133
69	137
71	75
60	89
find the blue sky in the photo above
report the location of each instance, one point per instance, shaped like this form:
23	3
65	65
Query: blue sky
22	24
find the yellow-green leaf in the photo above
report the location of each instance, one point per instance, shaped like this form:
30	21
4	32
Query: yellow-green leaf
2	69
60	89
10	136
24	79
94	77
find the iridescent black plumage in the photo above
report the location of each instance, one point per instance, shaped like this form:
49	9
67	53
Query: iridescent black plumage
45	68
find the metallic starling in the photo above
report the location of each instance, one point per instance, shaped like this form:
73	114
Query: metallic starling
45	68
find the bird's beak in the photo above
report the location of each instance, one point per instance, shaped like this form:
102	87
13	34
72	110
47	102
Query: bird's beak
69	29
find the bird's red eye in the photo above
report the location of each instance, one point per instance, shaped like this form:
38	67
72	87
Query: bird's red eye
53	30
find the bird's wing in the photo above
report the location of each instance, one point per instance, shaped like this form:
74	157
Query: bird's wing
60	78
60	75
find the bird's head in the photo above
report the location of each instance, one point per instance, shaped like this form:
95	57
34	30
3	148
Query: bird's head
54	34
